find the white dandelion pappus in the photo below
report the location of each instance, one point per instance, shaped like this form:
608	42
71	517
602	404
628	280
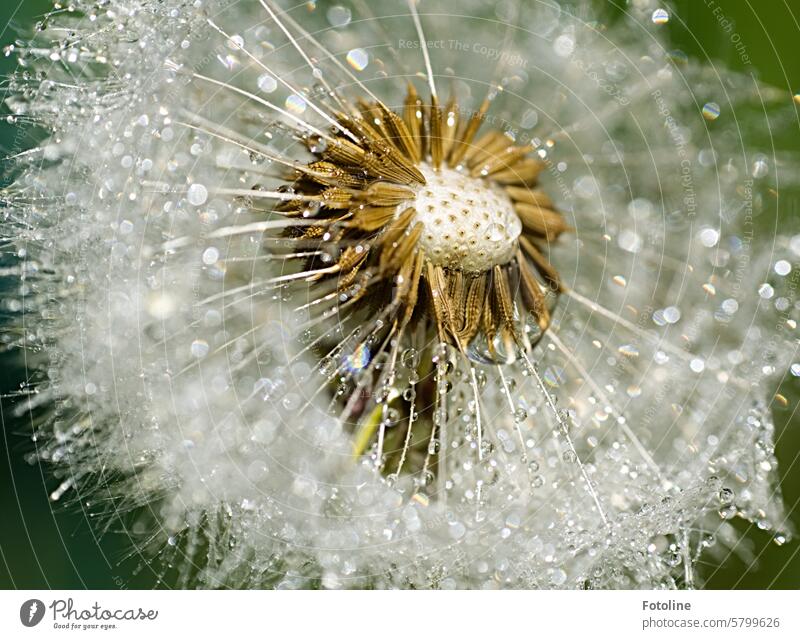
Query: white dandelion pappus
382	295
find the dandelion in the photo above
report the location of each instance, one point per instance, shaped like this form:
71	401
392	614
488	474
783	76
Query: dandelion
358	295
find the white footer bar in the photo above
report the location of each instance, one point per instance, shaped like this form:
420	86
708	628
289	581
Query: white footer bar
396	614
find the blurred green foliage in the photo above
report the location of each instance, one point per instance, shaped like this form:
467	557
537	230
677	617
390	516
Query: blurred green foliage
42	546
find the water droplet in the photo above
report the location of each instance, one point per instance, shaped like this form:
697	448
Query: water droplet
711	111
674	559
660	16
339	16
358	359
760	167
697	365
358	59
709	237
730	306
457	530
783	267
267	83
728	512
529	119
628	350
496	232
327	366
317	144
559	577
210	255
295	104
564	46
199	348
197	194
765	291
478	351
633	391
554	376
312	209
410	358
630	241
672	314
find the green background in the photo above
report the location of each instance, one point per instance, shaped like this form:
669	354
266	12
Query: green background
46	547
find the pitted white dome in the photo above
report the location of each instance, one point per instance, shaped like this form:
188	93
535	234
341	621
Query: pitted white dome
470	223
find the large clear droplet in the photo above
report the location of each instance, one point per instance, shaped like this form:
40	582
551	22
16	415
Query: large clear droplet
480	352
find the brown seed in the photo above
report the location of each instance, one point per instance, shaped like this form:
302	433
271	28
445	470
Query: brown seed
371	218
502	290
525	195
542	264
473	308
487	146
449	125
387	194
502	161
436	133
412	116
524	173
532	294
464	141
544	222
